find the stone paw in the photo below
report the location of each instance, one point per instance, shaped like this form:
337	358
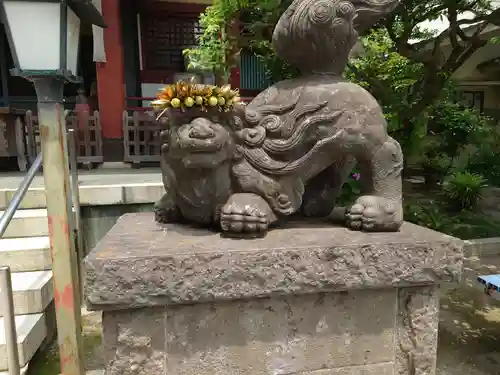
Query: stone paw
246	219
166	211
166	216
374	214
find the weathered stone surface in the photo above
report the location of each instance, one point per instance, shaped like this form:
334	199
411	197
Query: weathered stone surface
291	335
370	332
346	333
380	369
417	331
134	342
141	263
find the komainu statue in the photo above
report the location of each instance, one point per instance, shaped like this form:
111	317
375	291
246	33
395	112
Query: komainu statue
289	151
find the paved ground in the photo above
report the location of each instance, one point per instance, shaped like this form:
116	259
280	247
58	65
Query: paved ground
469	332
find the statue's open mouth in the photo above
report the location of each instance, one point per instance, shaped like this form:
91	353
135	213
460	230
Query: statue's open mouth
202	139
199	146
203	158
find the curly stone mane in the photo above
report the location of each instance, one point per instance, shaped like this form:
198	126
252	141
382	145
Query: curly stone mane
325	31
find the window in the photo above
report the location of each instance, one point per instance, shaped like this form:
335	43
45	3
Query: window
472	99
165	36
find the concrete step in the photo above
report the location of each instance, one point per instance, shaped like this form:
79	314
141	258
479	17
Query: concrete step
25	254
23	371
33	291
31	331
28	223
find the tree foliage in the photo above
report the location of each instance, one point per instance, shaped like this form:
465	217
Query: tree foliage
389	76
407	67
217	47
441	54
220	44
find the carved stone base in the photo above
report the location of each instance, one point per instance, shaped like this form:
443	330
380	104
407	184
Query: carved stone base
306	300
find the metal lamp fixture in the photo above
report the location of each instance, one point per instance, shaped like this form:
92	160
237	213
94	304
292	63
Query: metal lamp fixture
44	35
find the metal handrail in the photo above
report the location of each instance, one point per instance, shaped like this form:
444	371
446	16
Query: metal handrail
9	321
75	196
6	295
20	193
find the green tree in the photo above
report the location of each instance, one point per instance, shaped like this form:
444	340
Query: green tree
440	54
440	132
407	77
218	46
390	77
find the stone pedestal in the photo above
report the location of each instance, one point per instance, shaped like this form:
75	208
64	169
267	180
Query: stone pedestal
309	299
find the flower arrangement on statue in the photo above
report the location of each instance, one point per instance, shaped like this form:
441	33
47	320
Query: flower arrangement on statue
183	96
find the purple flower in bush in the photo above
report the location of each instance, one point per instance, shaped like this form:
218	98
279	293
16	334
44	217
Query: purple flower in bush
356	176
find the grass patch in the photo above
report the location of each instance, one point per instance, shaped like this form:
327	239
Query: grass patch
47	362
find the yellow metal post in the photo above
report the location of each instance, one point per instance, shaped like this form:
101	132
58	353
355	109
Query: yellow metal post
59	208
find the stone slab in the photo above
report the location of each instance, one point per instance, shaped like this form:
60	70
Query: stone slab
31	331
482	247
140	263
32	291
25	254
117	193
362	332
28	223
332	334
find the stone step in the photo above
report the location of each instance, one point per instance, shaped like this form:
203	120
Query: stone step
116	190
31	331
33	291
24	371
28	223
25	254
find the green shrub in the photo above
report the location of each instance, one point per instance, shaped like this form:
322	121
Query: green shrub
432	216
351	189
476	225
454	127
435	168
486	161
466	225
463	190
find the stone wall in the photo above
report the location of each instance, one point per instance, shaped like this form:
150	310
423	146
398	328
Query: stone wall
379	332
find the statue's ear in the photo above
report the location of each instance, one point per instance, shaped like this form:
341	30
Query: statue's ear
369	12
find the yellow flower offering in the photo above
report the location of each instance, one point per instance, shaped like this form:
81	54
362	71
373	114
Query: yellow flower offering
175	102
212	102
189	102
184	96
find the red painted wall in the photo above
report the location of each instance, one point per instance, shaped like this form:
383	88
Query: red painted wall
110	75
234	81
